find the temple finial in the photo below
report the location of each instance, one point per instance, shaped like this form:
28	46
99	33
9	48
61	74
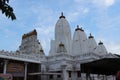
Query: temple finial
62	16
61	13
91	36
100	43
77	26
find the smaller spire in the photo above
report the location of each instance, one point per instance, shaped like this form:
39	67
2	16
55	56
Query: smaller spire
100	43
61	48
91	36
62	16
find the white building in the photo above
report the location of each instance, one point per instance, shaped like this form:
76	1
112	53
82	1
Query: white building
65	55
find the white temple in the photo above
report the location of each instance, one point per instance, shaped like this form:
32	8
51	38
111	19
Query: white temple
65	55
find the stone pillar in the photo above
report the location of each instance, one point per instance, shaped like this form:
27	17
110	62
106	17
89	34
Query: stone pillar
55	77
5	66
64	72
43	71
25	76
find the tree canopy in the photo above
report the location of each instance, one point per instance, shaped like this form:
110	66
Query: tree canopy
7	9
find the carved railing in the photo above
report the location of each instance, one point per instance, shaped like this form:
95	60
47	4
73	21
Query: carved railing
20	56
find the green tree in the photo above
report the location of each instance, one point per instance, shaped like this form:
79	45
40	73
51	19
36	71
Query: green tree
7	9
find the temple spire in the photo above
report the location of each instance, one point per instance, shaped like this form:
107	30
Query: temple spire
62	16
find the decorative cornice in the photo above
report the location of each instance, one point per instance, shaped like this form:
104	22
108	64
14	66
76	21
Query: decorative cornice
20	56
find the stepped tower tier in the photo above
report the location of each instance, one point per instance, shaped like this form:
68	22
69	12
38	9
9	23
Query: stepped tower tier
62	34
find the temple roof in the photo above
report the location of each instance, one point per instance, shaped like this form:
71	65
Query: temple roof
100	48
105	66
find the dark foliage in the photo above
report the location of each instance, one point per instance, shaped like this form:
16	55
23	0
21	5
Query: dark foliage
7	9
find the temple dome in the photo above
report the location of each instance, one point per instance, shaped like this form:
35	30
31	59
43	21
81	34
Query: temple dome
79	34
101	50
91	43
79	44
61	48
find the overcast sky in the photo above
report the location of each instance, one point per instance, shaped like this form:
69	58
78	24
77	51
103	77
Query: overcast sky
99	17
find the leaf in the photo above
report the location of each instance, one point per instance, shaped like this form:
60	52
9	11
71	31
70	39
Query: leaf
7	9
